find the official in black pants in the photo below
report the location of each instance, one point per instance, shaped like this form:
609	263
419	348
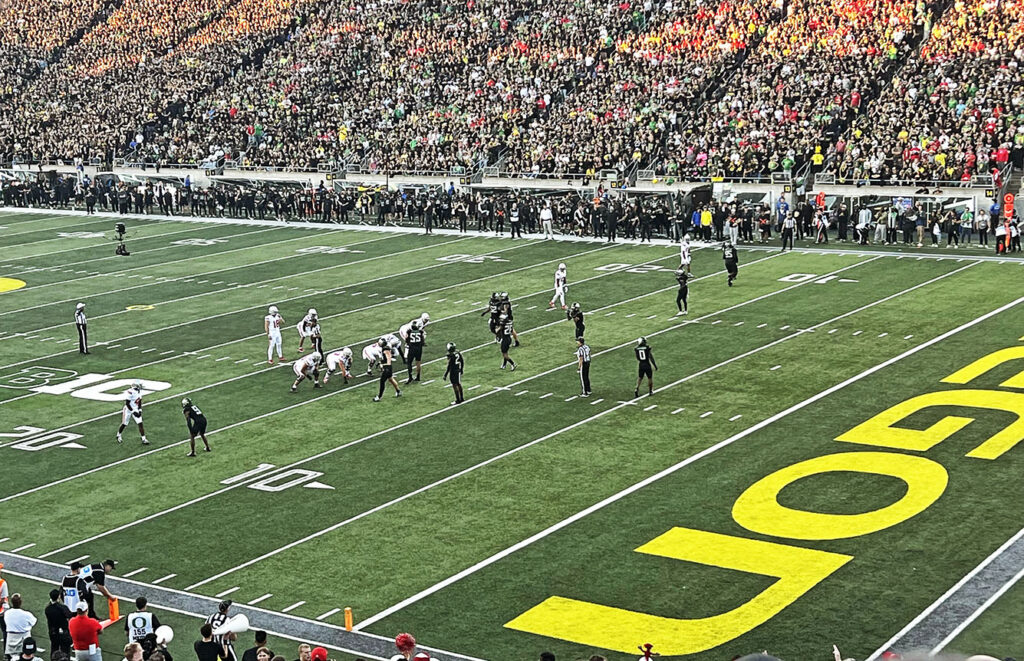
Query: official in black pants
583	365
80	324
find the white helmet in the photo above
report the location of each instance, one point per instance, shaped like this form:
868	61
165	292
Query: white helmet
137	385
311	312
424	318
346	352
561	266
272	310
316	355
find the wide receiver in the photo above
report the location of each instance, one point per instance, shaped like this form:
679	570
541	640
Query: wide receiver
272	324
132	411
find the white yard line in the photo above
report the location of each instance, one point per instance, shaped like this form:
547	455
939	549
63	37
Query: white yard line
673	469
977	612
91	245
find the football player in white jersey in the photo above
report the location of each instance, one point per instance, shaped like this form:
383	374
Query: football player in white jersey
132	411
339	360
684	253
395	343
305	326
272	324
561	286
306	368
372	355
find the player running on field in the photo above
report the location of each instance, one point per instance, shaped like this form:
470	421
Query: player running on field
272	324
132	411
339	360
645	361
196	422
684	253
306	368
561	286
454	371
387	369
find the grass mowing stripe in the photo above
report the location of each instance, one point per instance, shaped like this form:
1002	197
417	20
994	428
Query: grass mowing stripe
93	245
275	412
676	467
963	581
189	278
121	272
352	311
105	223
220	291
52	229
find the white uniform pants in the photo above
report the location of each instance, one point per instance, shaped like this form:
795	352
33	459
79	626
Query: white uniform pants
559	296
274	342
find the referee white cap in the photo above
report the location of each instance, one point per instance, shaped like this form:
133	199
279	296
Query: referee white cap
80	306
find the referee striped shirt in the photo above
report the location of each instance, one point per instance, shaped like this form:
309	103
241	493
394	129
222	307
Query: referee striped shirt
584	352
80	317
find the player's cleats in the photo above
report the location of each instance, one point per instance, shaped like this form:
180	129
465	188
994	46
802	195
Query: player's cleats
516	344
398	393
376	399
119	438
270	362
145	441
551	304
294	389
317	385
301	349
191	454
636	392
564	307
503	366
513	368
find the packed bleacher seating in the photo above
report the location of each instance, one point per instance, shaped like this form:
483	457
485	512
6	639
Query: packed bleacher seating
691	89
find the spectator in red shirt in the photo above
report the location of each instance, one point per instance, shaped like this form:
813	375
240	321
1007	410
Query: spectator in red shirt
85	633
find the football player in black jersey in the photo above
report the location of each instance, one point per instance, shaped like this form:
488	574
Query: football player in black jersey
456	366
414	349
196	422
505	337
387	370
575	315
645	361
731	260
683	278
505	308
492	308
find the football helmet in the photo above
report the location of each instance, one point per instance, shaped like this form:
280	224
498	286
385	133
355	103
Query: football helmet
382	342
272	310
561	266
415	325
424	318
186	402
504	295
137	385
346	352
311	312
641	341
679	273
450	347
575	307
494	295
316	357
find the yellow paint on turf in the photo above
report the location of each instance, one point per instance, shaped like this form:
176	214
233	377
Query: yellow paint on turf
10	284
140	307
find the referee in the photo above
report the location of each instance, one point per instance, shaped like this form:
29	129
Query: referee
583	365
83	339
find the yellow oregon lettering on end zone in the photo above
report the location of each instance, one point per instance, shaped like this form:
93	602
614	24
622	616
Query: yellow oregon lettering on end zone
10	284
990	362
879	430
758	508
798	570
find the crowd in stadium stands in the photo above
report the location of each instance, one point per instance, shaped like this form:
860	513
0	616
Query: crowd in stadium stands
956	109
688	88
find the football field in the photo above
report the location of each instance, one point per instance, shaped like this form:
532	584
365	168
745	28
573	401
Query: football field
830	455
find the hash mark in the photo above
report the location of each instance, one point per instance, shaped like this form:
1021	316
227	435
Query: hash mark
227	592
165	578
651	407
547	395
131	348
569	399
473	387
135	572
735	417
761	325
631	315
608	314
717	321
241	361
706	414
292	607
259	599
427	383
458	301
521	392
834	330
224	358
597	401
908	337
856	333
652	316
147	350
441	300
22	548
784	327
882	334
774	368
679	410
372	295
531	308
167	352
738	323
328	614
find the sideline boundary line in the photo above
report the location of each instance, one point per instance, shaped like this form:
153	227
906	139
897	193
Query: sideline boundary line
676	467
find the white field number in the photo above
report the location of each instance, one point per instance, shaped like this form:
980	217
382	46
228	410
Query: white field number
327	250
34	439
198	242
471	259
629	268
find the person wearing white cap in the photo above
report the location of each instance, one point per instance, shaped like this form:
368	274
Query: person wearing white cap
80	321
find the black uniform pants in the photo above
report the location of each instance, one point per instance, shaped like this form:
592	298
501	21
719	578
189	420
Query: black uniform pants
585	376
83	339
787	237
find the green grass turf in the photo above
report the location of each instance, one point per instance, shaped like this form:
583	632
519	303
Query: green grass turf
421	491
